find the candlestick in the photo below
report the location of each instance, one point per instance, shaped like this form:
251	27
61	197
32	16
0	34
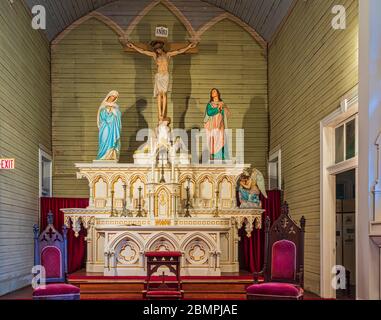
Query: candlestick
139	215
162	179
187	203
216	215
112	204
125	212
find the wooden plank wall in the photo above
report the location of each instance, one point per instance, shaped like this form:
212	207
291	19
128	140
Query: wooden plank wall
89	62
311	66
25	123
263	16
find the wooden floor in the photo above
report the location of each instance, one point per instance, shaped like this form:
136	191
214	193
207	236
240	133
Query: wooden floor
228	287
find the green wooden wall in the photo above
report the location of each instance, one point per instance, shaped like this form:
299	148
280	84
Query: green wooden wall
25	124
89	61
311	66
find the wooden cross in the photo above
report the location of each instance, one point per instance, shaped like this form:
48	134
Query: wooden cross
170	46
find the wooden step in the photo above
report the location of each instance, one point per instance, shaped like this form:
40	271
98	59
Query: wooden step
233	288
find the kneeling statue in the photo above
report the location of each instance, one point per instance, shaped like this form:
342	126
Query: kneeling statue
251	185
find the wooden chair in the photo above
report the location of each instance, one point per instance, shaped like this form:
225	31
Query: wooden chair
163	289
50	252
283	268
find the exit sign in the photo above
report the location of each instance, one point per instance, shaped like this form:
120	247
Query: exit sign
7	164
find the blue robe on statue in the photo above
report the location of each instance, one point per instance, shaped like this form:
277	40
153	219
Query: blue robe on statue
110	126
247	196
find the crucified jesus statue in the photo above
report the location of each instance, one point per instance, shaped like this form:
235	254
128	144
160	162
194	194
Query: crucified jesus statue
162	59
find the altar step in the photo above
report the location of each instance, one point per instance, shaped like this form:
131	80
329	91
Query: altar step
130	288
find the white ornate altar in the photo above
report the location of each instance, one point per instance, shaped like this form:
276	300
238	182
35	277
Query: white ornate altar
116	241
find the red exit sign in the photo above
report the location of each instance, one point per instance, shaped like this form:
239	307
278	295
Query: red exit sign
7	164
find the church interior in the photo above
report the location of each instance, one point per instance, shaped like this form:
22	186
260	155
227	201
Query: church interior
190	149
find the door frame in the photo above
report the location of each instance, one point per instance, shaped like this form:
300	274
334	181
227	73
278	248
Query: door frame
328	172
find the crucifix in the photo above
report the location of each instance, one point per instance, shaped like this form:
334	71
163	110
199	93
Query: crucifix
162	59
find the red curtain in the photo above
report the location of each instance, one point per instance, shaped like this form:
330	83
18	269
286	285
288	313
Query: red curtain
76	245
251	250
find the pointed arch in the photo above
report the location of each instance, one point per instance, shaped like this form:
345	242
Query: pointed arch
126	235
198	235
255	35
222	176
195	35
96	178
167	193
115	177
94	14
162	235
171	7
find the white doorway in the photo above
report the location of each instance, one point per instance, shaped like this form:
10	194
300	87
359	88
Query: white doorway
346	231
339	159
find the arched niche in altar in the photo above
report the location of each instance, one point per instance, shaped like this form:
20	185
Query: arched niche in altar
197	249
226	193
119	194
162	242
128	249
206	192
137	182
162	203
100	190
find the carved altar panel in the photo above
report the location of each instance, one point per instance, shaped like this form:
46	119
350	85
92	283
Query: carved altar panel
100	247
127	252
226	190
163	204
206	190
118	193
197	252
225	249
100	192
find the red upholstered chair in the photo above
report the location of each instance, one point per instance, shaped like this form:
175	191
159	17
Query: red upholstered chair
284	257
162	288
50	252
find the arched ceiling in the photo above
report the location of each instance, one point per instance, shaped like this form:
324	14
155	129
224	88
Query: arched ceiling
264	16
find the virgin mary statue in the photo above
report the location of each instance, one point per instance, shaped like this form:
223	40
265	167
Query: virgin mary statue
109	125
215	123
